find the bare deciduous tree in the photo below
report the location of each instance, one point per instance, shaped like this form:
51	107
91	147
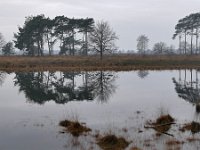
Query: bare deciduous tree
2	77
103	38
2	42
160	48
142	44
143	73
8	49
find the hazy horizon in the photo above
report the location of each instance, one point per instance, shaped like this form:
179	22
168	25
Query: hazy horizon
128	18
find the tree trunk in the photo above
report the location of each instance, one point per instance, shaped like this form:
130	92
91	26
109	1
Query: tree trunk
73	82
38	43
197	38
73	43
101	45
191	77
180	51
185	41
41	48
86	43
48	44
197	82
101	52
192	42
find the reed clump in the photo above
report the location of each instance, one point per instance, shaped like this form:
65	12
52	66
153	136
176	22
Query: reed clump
162	124
74	127
194	127
110	142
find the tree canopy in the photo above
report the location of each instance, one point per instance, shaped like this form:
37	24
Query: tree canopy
8	49
188	25
142	44
103	38
40	30
2	41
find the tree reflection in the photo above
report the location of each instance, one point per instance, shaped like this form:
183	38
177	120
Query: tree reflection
188	88
35	86
2	77
86	89
143	74
103	85
41	87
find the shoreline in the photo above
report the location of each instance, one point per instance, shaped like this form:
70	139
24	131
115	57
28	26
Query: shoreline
93	63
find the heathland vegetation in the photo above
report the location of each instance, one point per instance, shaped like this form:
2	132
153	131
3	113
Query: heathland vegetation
78	42
90	63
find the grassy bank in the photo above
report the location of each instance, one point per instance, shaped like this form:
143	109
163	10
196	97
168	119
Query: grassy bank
117	63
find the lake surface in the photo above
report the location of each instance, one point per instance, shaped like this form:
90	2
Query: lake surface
33	104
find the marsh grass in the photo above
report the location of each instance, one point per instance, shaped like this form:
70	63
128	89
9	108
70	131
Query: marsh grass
74	127
162	124
112	142
135	148
90	63
174	144
164	119
194	127
193	139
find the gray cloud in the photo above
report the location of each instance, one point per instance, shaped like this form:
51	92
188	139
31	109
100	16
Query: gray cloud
129	18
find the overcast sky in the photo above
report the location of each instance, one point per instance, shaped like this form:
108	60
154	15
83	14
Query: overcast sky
129	18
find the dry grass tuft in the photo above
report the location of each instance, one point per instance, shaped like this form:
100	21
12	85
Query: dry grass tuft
111	142
135	148
164	119
194	127
192	139
174	142
162	124
74	127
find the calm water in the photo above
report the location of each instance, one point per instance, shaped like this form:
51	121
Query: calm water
33	104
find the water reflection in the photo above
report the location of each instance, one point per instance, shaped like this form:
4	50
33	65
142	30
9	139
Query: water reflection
2	77
187	87
40	87
121	117
143	73
103	85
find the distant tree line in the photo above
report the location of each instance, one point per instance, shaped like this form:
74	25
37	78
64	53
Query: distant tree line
39	31
159	48
186	28
78	36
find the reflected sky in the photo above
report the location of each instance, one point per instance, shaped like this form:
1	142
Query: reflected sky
27	123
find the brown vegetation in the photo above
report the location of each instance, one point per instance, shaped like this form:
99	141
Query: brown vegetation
194	127
74	127
111	142
192	139
135	148
164	120
174	142
162	124
90	63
